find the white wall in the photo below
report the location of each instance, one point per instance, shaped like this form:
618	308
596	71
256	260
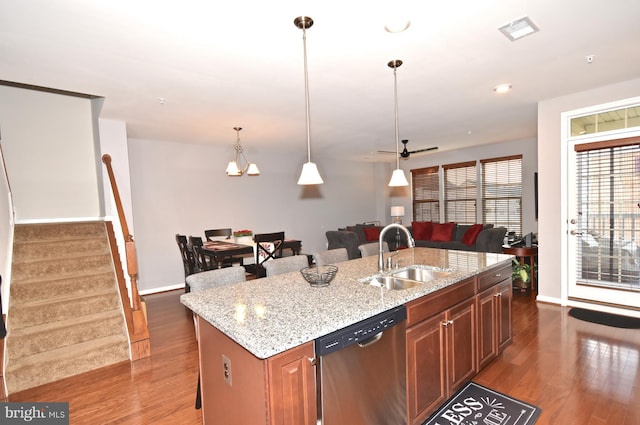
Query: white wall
6	231
551	255
528	149
49	150
182	188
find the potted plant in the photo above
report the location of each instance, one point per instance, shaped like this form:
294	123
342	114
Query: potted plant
244	237
521	274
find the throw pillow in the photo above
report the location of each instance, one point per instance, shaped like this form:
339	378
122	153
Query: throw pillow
471	234
372	233
442	232
422	230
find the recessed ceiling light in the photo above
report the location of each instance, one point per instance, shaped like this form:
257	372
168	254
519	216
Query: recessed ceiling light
519	28
502	88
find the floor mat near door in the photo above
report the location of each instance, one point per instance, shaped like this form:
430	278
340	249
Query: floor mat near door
607	319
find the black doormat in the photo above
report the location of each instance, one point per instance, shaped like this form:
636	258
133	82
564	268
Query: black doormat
605	318
478	405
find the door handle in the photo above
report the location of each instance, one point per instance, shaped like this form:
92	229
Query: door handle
575	233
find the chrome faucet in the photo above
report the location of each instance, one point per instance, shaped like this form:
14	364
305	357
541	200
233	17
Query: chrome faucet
410	242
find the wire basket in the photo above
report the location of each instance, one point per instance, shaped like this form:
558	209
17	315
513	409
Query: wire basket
319	275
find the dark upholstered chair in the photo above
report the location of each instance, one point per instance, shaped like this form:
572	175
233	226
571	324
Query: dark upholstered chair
344	239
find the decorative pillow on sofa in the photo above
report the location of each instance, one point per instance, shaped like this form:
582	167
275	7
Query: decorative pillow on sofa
442	232
471	234
422	230
372	233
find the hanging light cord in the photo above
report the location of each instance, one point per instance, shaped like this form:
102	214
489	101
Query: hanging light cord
395	99
306	90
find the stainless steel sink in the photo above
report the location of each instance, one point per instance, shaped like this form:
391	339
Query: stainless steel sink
421	274
408	277
395	283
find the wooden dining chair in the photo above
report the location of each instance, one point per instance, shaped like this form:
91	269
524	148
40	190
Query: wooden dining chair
330	256
268	247
203	262
213	234
283	265
188	259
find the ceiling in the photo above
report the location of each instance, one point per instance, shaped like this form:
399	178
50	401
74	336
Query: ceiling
190	71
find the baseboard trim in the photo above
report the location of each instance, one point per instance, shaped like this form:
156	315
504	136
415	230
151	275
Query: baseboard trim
161	289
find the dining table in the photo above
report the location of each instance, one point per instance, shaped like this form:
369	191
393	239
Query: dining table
218	250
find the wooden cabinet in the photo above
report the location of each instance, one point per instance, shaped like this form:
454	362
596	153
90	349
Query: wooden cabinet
238	387
494	318
440	349
292	398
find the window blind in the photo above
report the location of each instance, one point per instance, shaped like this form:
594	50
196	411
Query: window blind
460	192
426	194
608	190
502	192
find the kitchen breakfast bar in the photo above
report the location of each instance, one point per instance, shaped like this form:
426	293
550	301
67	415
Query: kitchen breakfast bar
257	339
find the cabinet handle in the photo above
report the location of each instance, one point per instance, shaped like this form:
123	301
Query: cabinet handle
497	295
312	360
447	323
498	274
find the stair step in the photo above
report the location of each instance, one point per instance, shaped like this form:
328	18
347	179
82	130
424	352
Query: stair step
70	285
54	335
41	368
39	269
42	250
37	312
59	231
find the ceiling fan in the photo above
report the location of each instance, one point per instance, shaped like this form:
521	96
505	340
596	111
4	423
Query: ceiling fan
406	153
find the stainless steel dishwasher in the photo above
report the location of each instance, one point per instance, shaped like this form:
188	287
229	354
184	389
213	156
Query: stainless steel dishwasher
361	375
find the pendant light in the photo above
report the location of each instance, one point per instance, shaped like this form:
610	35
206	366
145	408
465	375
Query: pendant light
233	169
310	174
397	178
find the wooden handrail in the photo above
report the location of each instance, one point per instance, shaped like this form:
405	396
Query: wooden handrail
139	335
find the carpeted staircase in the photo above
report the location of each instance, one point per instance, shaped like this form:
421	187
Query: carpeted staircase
65	315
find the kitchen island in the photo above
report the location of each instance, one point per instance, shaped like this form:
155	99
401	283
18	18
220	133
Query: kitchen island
256	337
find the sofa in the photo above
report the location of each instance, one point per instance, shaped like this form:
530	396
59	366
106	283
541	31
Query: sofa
465	237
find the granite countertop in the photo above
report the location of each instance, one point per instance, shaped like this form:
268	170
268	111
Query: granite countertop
270	315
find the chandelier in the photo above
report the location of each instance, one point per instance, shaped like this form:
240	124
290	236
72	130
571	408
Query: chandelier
234	167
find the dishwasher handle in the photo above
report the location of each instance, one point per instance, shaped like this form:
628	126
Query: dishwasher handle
370	341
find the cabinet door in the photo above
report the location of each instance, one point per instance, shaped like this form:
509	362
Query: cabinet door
504	324
461	345
292	395
488	305
426	368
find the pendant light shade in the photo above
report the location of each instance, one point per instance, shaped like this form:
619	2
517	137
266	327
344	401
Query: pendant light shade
310	174
397	178
233	168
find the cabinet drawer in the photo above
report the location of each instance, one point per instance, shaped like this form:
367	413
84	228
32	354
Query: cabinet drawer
493	276
439	301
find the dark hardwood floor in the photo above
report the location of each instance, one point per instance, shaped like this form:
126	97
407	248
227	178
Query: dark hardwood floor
578	373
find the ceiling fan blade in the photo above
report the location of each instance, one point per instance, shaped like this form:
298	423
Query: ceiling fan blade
392	152
433	148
